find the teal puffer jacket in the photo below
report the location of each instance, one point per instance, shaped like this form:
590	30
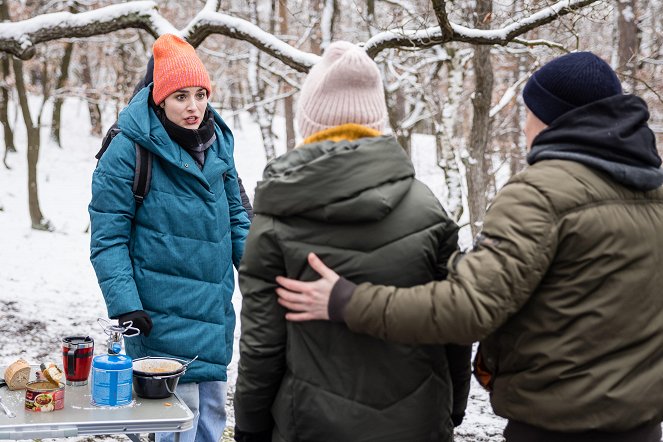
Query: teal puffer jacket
174	256
357	205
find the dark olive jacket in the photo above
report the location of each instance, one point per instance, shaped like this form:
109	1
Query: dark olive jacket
564	286
357	205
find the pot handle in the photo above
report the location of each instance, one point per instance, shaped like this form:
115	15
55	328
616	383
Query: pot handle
176	375
168	388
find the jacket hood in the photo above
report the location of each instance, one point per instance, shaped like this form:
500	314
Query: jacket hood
344	181
139	122
610	135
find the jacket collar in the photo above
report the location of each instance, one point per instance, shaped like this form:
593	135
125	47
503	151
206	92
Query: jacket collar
344	132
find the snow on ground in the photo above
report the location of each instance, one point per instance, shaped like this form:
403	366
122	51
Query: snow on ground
47	285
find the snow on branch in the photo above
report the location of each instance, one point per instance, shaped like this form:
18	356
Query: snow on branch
208	22
539	42
425	38
505	35
19	38
509	95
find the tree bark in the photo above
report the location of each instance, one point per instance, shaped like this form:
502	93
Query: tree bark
449	142
4	106
36	217
4	92
478	161
446	159
257	88
57	103
92	95
316	37
628	47
395	115
288	102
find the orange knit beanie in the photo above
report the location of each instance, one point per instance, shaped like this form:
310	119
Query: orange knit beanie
176	66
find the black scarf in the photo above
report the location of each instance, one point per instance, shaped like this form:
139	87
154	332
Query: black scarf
610	135
194	141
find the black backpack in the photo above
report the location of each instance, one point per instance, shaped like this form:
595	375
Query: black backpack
143	173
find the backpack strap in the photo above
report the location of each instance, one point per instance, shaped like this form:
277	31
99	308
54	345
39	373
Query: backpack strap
142	175
110	134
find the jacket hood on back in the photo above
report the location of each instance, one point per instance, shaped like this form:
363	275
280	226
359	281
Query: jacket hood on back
610	135
345	181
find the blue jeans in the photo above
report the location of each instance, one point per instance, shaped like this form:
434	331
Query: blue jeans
207	401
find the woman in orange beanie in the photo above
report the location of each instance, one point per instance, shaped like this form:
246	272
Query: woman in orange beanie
167	266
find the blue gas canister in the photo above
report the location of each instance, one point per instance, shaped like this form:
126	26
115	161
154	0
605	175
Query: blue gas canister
112	373
112	377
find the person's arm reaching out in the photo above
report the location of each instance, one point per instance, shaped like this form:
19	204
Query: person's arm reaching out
484	288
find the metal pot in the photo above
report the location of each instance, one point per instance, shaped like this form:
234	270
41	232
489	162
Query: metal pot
157	378
156	387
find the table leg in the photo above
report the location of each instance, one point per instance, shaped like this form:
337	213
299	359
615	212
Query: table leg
177	436
133	437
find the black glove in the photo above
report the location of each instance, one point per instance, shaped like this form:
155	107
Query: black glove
457	419
140	319
262	436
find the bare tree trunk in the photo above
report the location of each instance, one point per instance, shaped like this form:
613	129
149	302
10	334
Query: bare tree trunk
57	104
34	141
288	102
478	161
446	159
327	18
447	140
92	94
316	37
4	92
395	115
4	106
262	115
236	104
628	49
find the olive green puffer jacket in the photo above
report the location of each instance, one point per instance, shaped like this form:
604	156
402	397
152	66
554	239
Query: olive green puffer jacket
357	205
564	288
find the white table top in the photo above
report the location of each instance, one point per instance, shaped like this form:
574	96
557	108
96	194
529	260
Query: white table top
80	417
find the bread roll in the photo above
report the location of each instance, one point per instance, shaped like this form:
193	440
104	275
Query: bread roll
52	372
17	375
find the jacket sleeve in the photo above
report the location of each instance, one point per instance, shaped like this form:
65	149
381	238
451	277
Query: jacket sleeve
459	358
448	245
262	345
239	219
484	288
245	199
112	210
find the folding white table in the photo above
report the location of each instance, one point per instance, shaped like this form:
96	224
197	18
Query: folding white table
79	417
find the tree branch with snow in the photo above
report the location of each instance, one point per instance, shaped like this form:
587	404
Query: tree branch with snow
19	38
425	38
208	22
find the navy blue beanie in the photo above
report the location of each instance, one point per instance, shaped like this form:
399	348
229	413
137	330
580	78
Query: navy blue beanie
568	82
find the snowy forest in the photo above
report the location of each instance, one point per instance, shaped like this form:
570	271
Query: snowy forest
453	70
453	74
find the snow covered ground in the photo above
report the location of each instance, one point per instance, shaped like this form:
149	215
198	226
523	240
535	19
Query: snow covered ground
47	285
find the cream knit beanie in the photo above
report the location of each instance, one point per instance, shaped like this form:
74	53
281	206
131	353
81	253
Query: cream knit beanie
345	86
